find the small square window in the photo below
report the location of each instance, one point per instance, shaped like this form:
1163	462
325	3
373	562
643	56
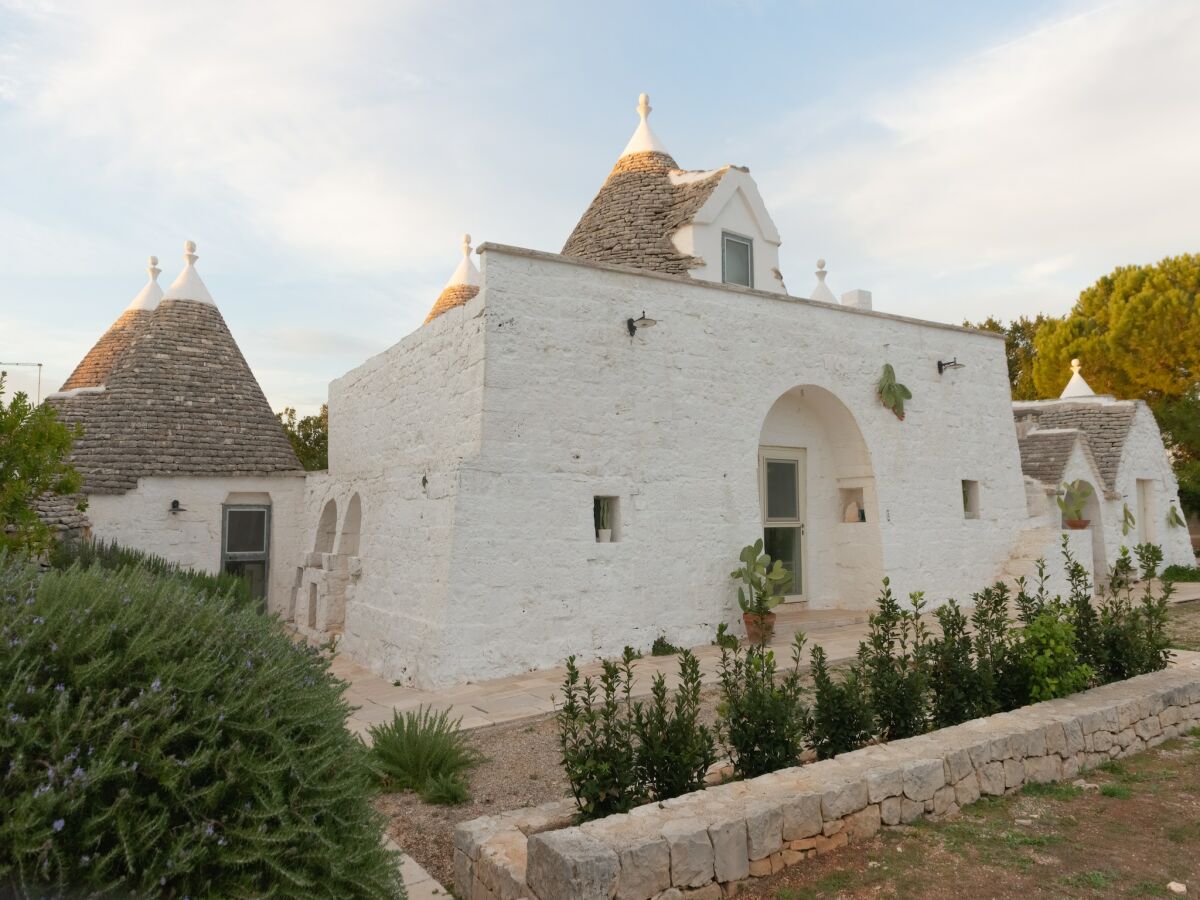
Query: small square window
737	260
607	519
970	497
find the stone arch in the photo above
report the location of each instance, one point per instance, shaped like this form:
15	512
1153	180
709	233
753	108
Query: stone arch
842	560
351	526
326	528
1093	511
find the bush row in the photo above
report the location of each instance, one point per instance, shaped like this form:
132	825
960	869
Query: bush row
904	681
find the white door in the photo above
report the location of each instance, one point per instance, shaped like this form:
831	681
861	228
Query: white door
781	479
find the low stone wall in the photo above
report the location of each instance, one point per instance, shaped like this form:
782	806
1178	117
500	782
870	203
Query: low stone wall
706	844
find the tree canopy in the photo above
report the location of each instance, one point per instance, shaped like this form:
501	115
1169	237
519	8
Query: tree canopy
34	447
1020	337
309	436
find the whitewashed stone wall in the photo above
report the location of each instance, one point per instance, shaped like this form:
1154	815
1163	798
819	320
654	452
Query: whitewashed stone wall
703	845
142	519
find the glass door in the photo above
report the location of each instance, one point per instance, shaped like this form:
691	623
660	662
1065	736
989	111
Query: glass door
245	545
782	476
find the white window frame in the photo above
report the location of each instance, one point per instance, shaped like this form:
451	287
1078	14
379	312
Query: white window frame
727	236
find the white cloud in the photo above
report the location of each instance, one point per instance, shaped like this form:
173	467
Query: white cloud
1055	156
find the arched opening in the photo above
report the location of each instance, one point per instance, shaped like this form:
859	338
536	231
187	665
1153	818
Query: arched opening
326	528
817	499
348	542
1092	513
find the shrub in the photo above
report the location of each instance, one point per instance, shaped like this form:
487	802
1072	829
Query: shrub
724	639
158	741
1177	574
761	717
893	666
663	647
1047	659
841	718
445	790
1133	636
113	557
993	645
673	749
953	677
595	734
419	747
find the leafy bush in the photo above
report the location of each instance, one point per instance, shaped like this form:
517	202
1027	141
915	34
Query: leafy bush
420	747
724	639
158	741
841	719
663	647
893	666
992	643
1177	574
673	749
1133	636
1047	659
761	716
954	679
596	736
445	790
113	557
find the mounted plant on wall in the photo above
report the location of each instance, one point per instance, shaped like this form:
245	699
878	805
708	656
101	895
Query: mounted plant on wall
1127	520
892	393
1174	519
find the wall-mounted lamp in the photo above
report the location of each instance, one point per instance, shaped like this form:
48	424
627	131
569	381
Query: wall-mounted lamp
952	364
634	324
176	508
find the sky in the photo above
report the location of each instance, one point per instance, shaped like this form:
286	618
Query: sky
956	159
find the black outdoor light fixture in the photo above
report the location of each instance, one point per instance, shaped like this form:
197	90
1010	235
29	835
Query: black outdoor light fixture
634	324
176	508
952	364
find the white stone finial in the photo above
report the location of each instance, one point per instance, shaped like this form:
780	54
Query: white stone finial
821	292
150	294
189	285
466	273
644	140
1077	387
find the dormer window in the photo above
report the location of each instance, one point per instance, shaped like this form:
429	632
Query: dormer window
737	259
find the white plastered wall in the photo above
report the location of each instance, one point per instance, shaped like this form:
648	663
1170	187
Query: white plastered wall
142	519
670	421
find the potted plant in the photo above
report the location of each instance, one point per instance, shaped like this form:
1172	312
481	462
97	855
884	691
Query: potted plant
603	521
763	584
1075	496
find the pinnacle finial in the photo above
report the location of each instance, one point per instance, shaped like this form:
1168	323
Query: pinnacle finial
1075	366
643	106
821	273
466	245
189	252
152	267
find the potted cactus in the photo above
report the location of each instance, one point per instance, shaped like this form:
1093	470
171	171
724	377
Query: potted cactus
762	588
604	521
1074	496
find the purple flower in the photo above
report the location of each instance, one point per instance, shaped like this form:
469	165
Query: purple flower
39	620
59	824
60	687
156	685
79	773
53	647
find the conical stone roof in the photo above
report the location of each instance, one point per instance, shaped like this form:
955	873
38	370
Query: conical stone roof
94	369
640	205
178	400
462	286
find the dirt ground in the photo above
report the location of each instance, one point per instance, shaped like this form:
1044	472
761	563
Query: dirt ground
522	768
1132	830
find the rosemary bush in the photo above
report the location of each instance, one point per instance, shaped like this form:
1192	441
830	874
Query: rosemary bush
159	741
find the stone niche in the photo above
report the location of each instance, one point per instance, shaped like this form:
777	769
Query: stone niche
327	577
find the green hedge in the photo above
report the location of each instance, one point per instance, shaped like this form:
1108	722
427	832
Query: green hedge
159	741
114	557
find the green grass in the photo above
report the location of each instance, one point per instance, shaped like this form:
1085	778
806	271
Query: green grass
1055	790
445	790
1184	834
1093	879
1116	791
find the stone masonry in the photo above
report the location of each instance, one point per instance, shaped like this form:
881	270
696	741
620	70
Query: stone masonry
706	844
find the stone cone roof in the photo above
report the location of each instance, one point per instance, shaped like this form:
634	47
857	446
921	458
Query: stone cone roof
178	399
462	286
1103	427
93	370
638	208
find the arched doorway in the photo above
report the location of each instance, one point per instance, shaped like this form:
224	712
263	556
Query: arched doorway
1093	513
351	526
817	499
326	528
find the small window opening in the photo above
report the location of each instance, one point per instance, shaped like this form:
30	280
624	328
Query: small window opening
852	506
970	497
737	260
607	519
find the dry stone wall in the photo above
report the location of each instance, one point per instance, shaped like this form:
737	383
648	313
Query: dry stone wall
706	844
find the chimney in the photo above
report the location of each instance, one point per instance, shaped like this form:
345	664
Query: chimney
858	299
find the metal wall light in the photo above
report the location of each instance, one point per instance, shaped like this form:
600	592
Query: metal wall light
176	508
634	324
952	364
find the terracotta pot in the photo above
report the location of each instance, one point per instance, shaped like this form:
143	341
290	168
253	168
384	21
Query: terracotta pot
604	535
759	629
1078	524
